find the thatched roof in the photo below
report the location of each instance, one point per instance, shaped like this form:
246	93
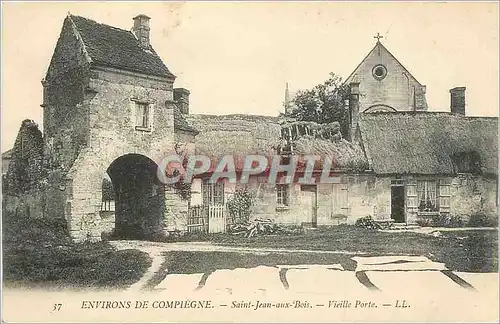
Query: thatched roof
428	143
344	155
241	135
222	135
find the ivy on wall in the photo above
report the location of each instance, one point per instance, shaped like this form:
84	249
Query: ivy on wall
239	205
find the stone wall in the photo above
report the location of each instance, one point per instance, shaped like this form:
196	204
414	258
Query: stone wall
65	101
472	195
176	212
29	204
355	196
113	134
26	168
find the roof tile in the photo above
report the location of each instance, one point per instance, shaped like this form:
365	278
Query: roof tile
118	48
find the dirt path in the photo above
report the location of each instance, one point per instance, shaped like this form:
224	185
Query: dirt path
158	259
154	248
434	230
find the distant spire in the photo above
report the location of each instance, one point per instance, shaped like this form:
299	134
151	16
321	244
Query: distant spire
287	99
378	37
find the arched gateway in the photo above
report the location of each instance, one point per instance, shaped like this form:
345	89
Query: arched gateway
139	197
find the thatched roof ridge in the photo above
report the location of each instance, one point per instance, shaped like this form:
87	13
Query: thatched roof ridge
344	155
253	118
427	142
241	135
235	134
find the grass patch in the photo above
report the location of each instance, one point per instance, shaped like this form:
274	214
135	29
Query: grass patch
187	262
469	251
475	251
39	253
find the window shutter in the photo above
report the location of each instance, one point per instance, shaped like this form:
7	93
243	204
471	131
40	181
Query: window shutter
133	113
340	194
344	198
411	194
444	195
151	111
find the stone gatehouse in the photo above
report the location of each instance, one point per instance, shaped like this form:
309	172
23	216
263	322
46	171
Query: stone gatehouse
108	102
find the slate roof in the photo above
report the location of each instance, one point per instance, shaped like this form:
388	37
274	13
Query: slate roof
427	142
118	48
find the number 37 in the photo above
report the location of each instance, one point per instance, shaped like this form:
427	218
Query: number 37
57	307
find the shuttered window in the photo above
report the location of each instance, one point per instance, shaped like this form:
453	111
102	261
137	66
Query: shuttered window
340	198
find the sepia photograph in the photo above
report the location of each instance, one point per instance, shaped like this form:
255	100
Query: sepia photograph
249	162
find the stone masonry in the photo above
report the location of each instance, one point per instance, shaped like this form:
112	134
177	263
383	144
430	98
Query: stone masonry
90	121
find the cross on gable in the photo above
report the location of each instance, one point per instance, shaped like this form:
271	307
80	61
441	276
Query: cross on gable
378	37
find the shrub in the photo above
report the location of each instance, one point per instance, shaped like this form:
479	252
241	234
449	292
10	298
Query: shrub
441	220
424	222
366	222
456	221
481	220
239	206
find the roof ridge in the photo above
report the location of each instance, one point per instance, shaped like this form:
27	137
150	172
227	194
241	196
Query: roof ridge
80	39
390	53
103	24
395	58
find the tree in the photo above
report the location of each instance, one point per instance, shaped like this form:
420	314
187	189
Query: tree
325	103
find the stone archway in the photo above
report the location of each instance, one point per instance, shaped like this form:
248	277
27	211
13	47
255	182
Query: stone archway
139	197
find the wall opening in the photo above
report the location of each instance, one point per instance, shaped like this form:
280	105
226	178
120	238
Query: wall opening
139	197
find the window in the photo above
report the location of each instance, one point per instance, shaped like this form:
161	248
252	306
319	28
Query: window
427	196
142	115
282	194
108	205
379	72
213	193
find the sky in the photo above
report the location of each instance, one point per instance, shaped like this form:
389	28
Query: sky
237	57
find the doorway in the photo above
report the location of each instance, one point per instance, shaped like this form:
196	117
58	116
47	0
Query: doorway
139	197
311	191
398	202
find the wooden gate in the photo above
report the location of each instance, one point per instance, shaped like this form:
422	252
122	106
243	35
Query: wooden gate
197	220
207	219
216	219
